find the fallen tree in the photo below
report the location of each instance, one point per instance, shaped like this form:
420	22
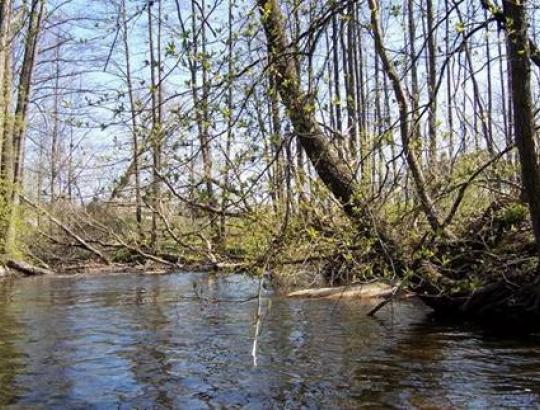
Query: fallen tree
27	269
363	291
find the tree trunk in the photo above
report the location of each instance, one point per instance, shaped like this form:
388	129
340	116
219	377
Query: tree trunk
336	102
25	84
333	172
134	130
156	132
432	82
201	103
330	169
6	143
5	25
519	53
229	120
350	52
56	127
407	139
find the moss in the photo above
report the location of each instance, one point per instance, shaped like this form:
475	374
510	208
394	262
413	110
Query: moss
513	215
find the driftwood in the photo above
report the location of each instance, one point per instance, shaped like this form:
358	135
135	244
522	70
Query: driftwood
27	269
365	291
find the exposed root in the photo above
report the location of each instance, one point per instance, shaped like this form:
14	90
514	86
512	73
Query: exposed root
489	275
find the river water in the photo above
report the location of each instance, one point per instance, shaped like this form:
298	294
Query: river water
185	341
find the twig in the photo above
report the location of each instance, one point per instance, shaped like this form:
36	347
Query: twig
258	323
383	303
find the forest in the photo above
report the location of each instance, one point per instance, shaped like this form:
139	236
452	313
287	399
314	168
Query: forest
327	142
269	204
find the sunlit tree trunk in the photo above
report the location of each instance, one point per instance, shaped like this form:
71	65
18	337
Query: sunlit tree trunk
415	88
361	104
18	128
331	170
449	94
5	80
54	162
337	103
350	52
6	142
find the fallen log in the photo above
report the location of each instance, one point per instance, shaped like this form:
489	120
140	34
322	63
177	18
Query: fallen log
67	230
365	291
27	269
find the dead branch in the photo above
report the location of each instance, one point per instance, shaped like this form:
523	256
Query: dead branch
68	231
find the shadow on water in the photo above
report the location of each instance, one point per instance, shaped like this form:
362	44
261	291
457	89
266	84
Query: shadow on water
134	341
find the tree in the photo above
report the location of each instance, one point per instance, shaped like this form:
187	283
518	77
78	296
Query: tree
333	171
6	142
300	107
14	124
134	123
407	137
519	53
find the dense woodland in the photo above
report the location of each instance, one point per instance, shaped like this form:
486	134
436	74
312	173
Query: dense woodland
329	141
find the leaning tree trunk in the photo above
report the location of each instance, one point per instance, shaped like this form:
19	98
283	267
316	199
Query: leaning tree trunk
407	137
519	53
329	167
333	172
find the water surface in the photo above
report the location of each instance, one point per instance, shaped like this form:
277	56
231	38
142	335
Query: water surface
184	341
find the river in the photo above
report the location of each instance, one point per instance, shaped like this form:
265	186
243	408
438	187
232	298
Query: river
185	341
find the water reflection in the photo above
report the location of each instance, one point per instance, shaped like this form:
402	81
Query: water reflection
11	358
146	342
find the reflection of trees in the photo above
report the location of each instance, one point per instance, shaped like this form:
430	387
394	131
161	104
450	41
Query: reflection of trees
149	358
63	340
444	365
311	346
331	352
45	306
404	369
32	335
218	363
10	356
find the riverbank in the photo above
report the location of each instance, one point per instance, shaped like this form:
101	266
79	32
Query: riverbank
487	268
23	269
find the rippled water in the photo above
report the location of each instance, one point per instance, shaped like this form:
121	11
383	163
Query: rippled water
134	341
